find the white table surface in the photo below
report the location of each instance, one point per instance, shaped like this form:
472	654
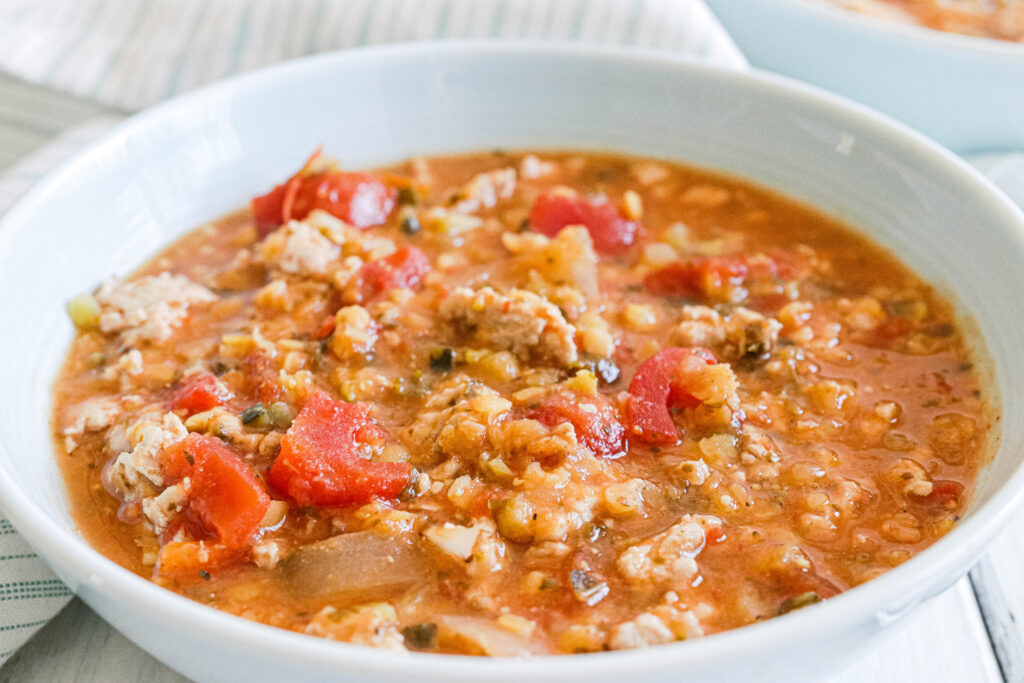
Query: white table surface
970	634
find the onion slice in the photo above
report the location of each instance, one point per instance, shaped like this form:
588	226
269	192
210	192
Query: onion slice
477	635
353	565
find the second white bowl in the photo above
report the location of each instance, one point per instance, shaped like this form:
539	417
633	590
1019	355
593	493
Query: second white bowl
966	92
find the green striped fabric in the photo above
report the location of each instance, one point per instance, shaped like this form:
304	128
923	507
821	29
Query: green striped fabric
29	592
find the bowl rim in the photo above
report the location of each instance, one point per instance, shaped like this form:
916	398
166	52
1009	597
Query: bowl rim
73	555
899	30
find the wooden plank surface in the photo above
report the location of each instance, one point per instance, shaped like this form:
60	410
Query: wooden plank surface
998	578
945	641
998	581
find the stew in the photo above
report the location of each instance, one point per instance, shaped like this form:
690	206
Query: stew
512	404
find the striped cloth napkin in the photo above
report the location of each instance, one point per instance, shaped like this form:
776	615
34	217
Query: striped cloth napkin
132	53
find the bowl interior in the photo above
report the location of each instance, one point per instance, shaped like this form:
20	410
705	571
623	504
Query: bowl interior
194	159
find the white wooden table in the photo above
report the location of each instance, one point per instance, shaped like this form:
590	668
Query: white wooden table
970	634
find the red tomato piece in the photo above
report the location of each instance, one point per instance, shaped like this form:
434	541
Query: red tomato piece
659	385
199	392
326	328
319	463
359	199
696	278
404	268
890	332
224	497
596	422
711	276
782	265
946	494
267	210
176	460
612	232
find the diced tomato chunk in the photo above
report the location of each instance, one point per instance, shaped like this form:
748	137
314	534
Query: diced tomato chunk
199	392
191	557
612	232
890	332
659	385
712	276
319	463
780	264
595	421
946	494
696	278
326	328
176	460
359	199
404	268
224	496
267	210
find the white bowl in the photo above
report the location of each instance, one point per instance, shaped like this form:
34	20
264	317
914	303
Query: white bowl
169	169
964	91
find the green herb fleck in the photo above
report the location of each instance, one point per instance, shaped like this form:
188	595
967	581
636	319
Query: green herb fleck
420	636
255	416
401	386
408	196
410	224
442	359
